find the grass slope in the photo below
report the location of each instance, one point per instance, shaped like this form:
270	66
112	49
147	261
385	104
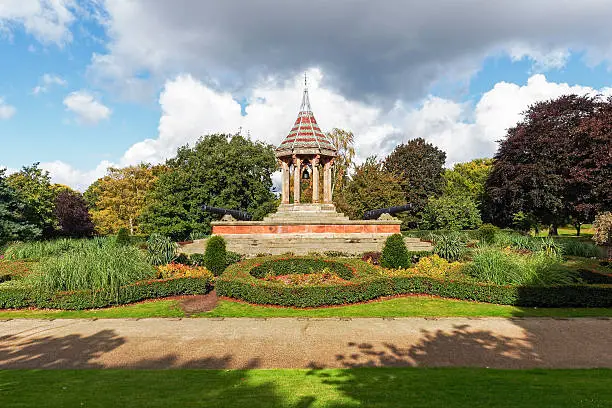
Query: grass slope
371	387
411	306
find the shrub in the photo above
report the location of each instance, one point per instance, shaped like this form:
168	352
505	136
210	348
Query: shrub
105	268
215	257
123	237
161	249
487	233
451	213
603	229
176	270
196	259
232	258
193	235
449	246
436	267
301	266
394	254
182	259
576	247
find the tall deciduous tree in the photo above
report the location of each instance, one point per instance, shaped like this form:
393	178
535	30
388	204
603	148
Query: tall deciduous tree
13	223
33	186
219	170
468	179
556	164
370	187
72	214
419	166
343	141
118	199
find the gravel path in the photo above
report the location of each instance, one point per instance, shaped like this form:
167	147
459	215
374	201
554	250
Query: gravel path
305	343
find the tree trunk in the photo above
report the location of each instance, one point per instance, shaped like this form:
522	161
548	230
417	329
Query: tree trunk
577	225
131	226
552	230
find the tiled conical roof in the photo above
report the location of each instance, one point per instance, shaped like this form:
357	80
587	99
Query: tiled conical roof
306	136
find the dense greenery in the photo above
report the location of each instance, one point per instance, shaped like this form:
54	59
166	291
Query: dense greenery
338	388
219	170
38	250
453	213
370	187
13	222
448	246
215	257
394	254
161	249
72	214
288	266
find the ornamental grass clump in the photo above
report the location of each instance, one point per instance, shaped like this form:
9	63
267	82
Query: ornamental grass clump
394	254
449	246
37	250
576	247
161	249
95	267
215	256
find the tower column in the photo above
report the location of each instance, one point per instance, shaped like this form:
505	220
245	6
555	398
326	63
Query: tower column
297	179
315	179
285	182
327	195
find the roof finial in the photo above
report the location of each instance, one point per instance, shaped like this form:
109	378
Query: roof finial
305	80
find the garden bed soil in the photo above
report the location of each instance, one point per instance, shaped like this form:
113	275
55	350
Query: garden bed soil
198	303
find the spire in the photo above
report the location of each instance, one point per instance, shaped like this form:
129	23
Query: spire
305	99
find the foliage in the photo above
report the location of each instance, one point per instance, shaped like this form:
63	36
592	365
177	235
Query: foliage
96	267
14	224
554	164
551	248
523	222
603	229
369	283
232	257
20	297
38	250
215	256
304	266
72	214
33	187
487	233
266	208
450	213
439	268
394	254
468	179
370	187
448	246
118	199
123	236
343	141
161	249
219	170
420	168
177	270
508	268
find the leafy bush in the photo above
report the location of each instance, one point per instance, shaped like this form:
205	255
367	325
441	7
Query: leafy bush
161	249
175	270
123	237
448	246
196	259
182	259
106	267
193	235
436	267
22	297
369	283
303	266
394	254
215	257
603	229
232	258
508	268
451	213
576	247
487	233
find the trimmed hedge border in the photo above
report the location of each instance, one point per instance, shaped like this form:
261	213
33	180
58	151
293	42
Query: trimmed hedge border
18	298
369	283
304	266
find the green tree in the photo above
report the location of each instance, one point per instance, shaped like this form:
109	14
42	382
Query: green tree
344	142
420	167
468	179
33	186
118	199
451	213
13	223
370	187
219	170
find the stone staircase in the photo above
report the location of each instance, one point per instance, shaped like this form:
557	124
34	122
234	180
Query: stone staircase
306	214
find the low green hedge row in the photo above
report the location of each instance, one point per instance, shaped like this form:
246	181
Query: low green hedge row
236	282
287	266
17	297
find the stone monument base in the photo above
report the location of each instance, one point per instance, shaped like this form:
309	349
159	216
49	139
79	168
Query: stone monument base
304	229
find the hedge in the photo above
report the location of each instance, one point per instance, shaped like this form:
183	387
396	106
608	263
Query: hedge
18	297
369	283
286	266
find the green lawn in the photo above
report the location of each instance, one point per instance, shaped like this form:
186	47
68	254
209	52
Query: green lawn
368	387
569	231
411	306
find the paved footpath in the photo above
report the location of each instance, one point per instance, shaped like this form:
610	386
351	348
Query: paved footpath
305	343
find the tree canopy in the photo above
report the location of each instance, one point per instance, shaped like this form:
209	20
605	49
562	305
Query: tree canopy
555	164
219	170
72	214
468	179
13	222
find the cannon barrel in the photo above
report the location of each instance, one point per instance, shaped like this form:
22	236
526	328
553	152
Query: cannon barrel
239	215
373	214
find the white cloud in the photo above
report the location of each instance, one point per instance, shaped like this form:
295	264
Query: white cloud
47	20
6	110
63	173
46	81
87	109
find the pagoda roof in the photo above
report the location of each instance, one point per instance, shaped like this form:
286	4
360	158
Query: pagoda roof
305	136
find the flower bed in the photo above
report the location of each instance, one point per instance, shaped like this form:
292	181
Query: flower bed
371	282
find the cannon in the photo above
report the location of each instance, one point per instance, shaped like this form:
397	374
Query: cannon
374	214
237	214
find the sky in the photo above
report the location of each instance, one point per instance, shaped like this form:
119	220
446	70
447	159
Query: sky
89	84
